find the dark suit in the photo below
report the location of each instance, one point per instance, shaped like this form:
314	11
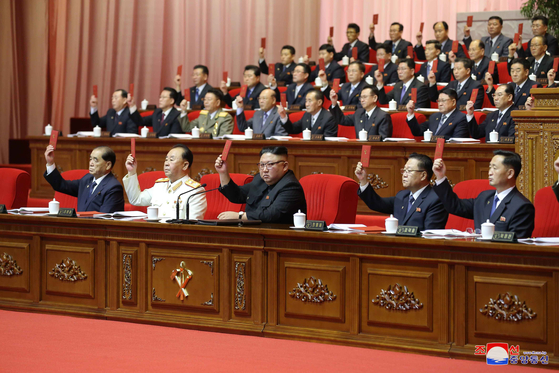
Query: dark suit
501	46
271	204
115	123
193	100
169	125
545	65
427	211
396	94
379	123
343	94
505	127
464	95
273	126
389	75
454	126
482	68
515	213
552	47
442	74
362	52
333	71
401	48
281	73
107	197
301	95
250	100
520	97
324	125
447	47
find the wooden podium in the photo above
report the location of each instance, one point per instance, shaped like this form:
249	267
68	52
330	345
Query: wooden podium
538	141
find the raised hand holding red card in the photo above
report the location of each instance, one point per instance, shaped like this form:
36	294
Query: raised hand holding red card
226	148
414	94
520	28
421	27
336	85
95	91
516	39
410	51
474	95
470	21
381	65
555	64
263	43
455	45
435	65
365	155
133	147
375	19
321	64
225	76
187	94
244	91
354	53
331	32
179	70
53	138
131	90
491	68
283	97
309	52
271	68
439	149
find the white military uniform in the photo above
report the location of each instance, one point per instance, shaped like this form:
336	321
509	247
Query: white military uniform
164	195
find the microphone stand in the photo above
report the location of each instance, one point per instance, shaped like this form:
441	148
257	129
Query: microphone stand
188	205
177	220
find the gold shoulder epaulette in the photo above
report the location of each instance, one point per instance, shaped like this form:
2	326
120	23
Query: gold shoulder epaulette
162	180
223	114
177	186
203	112
192	183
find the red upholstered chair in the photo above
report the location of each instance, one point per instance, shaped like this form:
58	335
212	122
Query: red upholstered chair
346	131
65	199
234	92
332	198
504	76
465	50
371	220
418	66
486	102
400	126
281	90
547	214
294	117
248	114
368	67
146	113
146	180
372	56
193	115
386	90
15	188
217	203
467	189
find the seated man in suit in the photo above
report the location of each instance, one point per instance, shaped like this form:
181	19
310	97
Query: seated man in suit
198	91
432	52
369	117
283	71
316	119
496	42
333	69
165	192
402	90
519	70
448	122
211	120
117	119
274	194
556	185
165	119
418	205
266	120
397	46
539	28
297	91
540	62
441	34
499	120
481	62
390	73
97	191
350	91
505	207
251	78
463	85
353	41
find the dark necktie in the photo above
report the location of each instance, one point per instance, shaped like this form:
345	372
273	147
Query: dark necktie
264	119
441	122
536	66
489	44
517	90
93	185
197	94
428	69
162	117
410	202
499	119
494	207
403	95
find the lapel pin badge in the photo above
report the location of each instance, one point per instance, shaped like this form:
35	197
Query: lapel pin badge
418	209
503	218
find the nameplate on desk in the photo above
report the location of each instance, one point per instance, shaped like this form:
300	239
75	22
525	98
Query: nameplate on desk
407	230
196	107
258	136
151	135
206	136
350	108
436	138
295	107
542	81
317	137
316	225
506	140
67	213
402	108
3	209
504	237
374	138
105	134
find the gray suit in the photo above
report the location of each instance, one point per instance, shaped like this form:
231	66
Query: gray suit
272	127
501	46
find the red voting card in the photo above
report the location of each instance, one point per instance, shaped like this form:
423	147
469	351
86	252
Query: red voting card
226	148
491	68
263	43
555	64
95	90
365	155
332	32
309	52
520	28
133	147
375	19
410	51
179	70
53	138
321	64
225	76
187	94
474	95
244	91
414	94
131	90
336	85
271	68
381	65
516	38
421	27
435	64
439	149
354	53
283	97
470	21
455	46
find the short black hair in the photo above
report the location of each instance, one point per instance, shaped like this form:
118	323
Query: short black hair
218	94
172	93
123	93
318	95
386	47
305	67
511	160
450	93
289	48
509	90
372	88
108	155
468	64
497	18
354	26
524	62
544	20
424	163
408	61
359	64
327	47
398	24
186	154
544	42
481	44
437	43
254	69
204	69
276	150
445	25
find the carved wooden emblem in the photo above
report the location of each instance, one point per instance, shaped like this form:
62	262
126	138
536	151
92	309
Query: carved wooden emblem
507	308
398	299
240	297
8	266
376	181
210	302
312	290
127	285
68	270
182	275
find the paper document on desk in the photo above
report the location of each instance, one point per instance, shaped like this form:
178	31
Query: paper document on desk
85	134
398	139
233	137
447	233
543	241
122	215
336	138
346	227
280	138
183	136
427	110
463	140
33	210
123	134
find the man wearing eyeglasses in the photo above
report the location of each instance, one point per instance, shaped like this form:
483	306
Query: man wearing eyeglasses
165	119
251	77
117	119
353	41
403	89
417	205
539	28
519	70
273	196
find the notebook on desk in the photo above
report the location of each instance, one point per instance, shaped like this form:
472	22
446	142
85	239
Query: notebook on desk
239	222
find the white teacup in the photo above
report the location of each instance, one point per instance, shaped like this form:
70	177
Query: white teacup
493	136
318	82
145	104
97	131
196	132
248	133
145	131
427	135
369	80
299	219
532	77
48	130
392	105
153	212
442	57
495	57
391	224
487	230
54	206
363	135
307	134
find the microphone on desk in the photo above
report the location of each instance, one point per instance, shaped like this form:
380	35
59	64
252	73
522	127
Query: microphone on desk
178	202
192	195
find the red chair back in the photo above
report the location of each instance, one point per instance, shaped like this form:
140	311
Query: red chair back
347	131
504	76
486	102
294	117
65	199
234	92
146	113
400	126
15	187
193	115
418	66
465	51
372	56
547	214
217	203
248	114
386	90
368	67
467	189
146	181
332	198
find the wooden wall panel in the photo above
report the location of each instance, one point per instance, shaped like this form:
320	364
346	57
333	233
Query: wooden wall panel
16	265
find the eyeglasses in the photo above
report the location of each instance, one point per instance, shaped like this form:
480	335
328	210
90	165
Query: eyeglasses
160	97
500	94
268	165
405	171
443	100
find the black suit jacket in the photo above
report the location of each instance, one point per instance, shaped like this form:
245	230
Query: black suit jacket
193	102
281	74
170	125
251	100
464	95
107	197
362	52
505	126
442	74
447	47
552	47
543	68
380	123
501	45
343	94
515	213
520	97
389	76
396	93
401	49
427	211
454	126
271	204
290	94
324	125
333	71
115	123
482	68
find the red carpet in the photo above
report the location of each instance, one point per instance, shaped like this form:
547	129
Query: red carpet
45	343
